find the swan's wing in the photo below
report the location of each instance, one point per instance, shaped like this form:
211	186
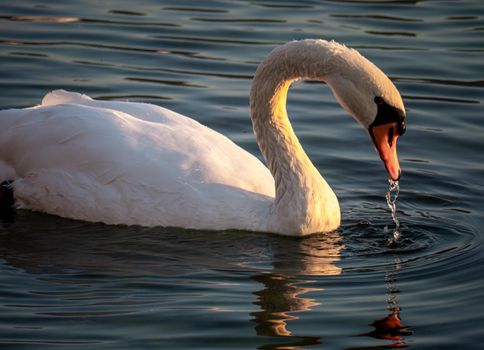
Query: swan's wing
103	160
200	149
143	111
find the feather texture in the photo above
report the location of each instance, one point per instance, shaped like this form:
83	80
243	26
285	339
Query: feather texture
141	164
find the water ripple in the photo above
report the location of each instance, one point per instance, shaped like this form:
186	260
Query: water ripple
85	20
378	18
389	33
195	9
110	47
205	39
238	20
165	82
127	13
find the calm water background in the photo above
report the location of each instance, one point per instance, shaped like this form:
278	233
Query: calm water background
72	285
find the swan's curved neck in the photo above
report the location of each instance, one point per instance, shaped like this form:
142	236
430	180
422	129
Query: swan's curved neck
303	198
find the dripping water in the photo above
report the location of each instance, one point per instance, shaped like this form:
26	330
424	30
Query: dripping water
392	204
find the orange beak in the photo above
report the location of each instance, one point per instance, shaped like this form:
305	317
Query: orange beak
385	140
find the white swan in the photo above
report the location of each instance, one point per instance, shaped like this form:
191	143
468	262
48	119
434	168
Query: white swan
140	164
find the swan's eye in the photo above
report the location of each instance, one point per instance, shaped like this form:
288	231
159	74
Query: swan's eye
390	136
379	100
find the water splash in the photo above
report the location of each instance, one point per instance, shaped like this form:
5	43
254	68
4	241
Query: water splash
392	204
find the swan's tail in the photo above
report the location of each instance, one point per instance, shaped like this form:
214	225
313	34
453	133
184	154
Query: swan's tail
62	96
6	172
6	202
6	194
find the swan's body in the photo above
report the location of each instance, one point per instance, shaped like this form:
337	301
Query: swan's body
130	163
134	163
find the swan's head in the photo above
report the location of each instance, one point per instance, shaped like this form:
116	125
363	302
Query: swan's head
370	97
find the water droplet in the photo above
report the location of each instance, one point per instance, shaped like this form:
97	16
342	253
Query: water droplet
392	204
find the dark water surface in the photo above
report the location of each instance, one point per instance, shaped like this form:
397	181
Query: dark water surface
72	285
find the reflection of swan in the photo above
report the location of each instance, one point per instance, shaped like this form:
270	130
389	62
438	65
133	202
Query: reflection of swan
279	299
134	163
283	294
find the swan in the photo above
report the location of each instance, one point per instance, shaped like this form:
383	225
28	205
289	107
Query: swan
141	164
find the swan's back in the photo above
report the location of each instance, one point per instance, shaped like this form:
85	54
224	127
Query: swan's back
130	163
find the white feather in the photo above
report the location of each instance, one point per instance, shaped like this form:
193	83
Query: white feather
130	163
140	164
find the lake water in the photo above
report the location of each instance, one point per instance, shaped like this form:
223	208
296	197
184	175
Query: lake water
73	285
